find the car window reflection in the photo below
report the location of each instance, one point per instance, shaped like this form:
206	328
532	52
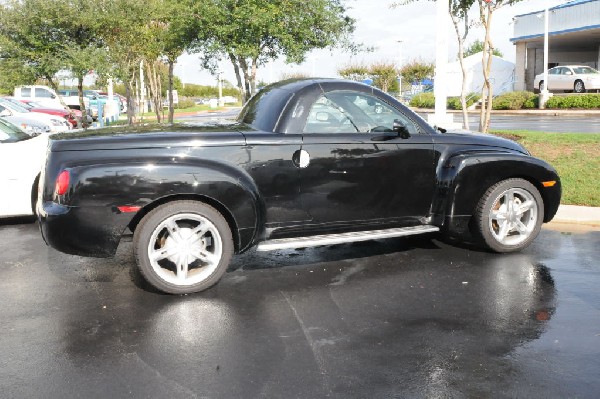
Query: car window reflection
353	112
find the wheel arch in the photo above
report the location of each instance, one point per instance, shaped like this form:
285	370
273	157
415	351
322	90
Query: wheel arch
219	206
470	175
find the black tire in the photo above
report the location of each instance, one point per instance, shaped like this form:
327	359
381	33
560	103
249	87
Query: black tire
511	230
177	274
578	86
541	86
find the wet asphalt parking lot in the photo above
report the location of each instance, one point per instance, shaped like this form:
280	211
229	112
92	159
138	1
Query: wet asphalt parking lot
399	318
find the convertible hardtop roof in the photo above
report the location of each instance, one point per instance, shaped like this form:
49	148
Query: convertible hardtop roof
297	84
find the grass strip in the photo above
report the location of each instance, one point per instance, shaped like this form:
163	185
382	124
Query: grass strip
576	157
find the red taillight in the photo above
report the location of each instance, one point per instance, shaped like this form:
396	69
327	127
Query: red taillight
62	182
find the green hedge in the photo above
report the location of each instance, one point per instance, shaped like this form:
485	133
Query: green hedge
516	100
427	100
580	101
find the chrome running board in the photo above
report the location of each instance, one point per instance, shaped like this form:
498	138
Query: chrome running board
342	238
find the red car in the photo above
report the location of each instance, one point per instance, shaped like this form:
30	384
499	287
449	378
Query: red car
71	115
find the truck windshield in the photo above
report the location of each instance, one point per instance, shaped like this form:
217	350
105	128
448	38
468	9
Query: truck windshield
9	133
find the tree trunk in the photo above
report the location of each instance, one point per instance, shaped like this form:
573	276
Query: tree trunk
461	60
238	76
170	91
84	121
54	87
486	91
131	100
253	76
244	68
155	95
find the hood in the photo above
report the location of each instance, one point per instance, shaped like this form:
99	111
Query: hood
480	139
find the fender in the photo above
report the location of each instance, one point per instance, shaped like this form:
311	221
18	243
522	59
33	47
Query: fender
464	178
102	187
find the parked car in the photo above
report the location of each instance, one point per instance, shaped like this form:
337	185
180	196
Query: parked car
63	112
309	162
577	78
9	108
30	126
21	159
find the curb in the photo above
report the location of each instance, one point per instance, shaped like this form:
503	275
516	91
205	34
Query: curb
574	214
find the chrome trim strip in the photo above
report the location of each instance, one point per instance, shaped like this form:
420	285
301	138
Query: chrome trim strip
331	239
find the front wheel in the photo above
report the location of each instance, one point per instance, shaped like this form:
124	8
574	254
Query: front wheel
183	247
509	215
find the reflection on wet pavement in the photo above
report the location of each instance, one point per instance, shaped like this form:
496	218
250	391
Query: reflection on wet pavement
413	317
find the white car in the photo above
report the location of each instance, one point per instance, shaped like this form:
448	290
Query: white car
21	160
577	78
57	124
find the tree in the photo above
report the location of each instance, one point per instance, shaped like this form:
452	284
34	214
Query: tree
416	71
477	47
253	32
31	38
486	12
356	72
385	75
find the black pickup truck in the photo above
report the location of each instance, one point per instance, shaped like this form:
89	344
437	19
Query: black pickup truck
308	162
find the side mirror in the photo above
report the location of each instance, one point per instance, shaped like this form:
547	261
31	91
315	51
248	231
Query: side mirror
52	96
399	128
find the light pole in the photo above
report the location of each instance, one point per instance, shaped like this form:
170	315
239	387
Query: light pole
220	86
399	66
441	118
544	94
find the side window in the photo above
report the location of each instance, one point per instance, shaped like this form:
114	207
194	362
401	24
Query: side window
25	91
42	93
352	112
325	116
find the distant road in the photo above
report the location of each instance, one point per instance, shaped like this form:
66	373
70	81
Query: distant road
558	124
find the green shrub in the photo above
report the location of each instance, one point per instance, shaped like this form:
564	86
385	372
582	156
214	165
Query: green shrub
454	102
423	100
583	101
532	102
184	103
513	100
427	100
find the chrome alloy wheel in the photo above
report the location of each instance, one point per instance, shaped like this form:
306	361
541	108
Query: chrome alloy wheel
185	249
513	216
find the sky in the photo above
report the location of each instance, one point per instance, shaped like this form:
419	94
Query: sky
379	26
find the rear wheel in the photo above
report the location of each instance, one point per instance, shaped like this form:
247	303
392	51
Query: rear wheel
183	247
509	215
541	86
579	87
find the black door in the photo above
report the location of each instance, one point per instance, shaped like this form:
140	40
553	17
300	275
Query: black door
360	170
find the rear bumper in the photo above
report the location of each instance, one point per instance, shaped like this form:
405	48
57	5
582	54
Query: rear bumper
95	232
